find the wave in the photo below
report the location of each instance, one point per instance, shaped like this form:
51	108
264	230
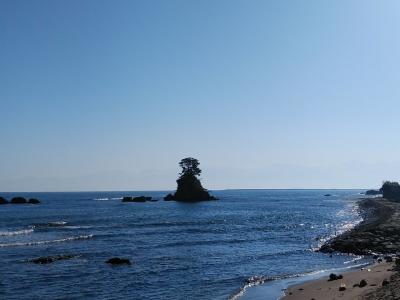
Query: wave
16	232
50	224
258	280
67	239
107	199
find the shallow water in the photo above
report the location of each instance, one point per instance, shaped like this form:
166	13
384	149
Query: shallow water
208	250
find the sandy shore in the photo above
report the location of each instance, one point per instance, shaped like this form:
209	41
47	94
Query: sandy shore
323	289
379	233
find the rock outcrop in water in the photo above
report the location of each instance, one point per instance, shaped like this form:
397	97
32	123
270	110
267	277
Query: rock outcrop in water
19	200
373	192
50	259
136	199
118	261
189	186
3	201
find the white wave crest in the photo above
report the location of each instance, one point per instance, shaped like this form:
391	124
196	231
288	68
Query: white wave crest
16	232
67	239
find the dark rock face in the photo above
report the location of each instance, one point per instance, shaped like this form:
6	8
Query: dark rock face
50	259
373	192
3	201
118	261
190	190
18	200
33	201
136	199
189	186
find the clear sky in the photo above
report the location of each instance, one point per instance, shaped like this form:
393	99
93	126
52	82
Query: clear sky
110	95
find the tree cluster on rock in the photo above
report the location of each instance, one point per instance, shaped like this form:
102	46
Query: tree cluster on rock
391	190
189	187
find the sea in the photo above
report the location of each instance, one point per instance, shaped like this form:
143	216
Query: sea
250	244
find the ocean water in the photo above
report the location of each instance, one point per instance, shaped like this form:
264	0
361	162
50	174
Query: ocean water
224	249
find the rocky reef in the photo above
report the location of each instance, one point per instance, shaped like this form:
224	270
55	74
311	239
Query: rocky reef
19	200
378	233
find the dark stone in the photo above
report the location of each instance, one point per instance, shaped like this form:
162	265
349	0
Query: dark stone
3	201
388	259
118	261
375	256
18	200
385	282
33	201
373	192
363	283
327	195
356	285
50	259
333	277
136	199
342	288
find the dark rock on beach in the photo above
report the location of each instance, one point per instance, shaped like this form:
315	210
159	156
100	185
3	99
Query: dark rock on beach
3	201
118	261
18	200
50	259
136	199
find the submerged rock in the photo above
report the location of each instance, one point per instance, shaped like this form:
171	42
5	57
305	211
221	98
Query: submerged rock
118	261
50	259
18	200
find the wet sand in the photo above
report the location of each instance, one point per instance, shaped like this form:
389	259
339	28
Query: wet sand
322	289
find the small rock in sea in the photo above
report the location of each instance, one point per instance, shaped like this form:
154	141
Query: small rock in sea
379	260
18	200
385	282
375	256
33	201
118	261
169	197
50	259
3	201
327	195
301	289
136	199
363	283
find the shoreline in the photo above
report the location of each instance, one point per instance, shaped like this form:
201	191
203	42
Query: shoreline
378	234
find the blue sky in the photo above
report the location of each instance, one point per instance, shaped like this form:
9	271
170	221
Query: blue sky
110	95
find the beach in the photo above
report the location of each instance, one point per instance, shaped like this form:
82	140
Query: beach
377	235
